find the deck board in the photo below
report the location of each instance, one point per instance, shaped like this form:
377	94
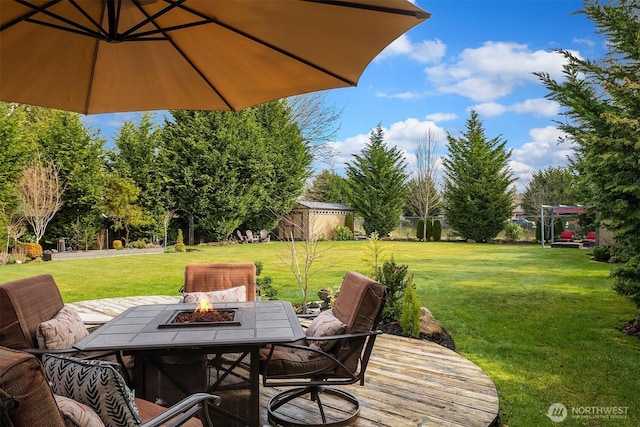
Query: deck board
408	382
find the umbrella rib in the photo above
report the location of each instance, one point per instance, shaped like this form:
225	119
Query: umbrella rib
150	18
74	26
186	58
26	16
272	47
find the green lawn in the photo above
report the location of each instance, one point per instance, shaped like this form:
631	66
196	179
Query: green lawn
542	323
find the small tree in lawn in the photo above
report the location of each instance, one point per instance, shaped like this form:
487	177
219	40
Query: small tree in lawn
423	194
180	242
121	195
478	183
378	184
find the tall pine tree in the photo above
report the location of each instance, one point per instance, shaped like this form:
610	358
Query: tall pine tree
378	184
477	183
602	109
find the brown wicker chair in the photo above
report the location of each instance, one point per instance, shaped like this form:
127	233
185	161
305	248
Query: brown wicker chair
27	400
315	372
25	304
220	276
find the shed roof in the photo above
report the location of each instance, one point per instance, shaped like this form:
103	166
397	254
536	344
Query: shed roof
325	206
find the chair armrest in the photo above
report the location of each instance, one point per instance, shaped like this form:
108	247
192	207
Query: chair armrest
185	409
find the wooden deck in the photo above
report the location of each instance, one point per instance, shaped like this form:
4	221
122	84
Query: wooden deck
408	383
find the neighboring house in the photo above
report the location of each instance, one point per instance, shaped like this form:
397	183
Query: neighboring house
315	220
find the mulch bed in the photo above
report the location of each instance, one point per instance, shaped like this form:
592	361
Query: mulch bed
394	328
632	327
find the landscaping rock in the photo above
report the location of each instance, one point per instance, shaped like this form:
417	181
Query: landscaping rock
429	326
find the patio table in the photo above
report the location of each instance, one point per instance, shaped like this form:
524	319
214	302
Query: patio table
144	331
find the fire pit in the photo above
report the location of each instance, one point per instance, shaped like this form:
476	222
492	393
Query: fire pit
203	315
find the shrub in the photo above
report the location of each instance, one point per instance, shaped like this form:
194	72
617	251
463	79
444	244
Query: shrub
420	229
513	231
410	316
117	244
348	221
265	287
436	233
33	250
139	244
180	247
602	253
343	233
393	276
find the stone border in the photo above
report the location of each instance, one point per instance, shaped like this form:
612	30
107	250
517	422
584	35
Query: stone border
55	256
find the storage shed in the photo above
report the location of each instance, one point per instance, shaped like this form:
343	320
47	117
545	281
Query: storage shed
314	220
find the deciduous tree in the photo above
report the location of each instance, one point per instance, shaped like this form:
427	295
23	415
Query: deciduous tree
40	192
423	193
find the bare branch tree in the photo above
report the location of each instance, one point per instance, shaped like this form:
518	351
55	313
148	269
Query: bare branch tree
14	225
424	195
304	250
40	194
317	121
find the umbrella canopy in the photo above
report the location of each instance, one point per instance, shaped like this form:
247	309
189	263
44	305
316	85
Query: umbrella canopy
98	56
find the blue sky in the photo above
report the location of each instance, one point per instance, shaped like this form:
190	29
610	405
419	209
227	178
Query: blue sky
471	54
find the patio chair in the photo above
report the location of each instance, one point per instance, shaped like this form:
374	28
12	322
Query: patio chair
264	236
220	279
590	239
241	238
250	238
566	236
335	353
66	391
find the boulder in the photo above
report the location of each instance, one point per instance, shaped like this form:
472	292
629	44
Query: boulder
429	326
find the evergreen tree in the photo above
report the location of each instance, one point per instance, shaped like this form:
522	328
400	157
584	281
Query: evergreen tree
328	187
135	156
602	109
378	184
233	169
552	186
477	183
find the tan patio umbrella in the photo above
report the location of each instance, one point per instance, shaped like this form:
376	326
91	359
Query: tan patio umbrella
97	56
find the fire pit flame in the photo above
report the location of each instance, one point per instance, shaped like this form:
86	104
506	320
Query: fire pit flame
203	306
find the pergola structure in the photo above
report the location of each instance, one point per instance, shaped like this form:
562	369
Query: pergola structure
557	210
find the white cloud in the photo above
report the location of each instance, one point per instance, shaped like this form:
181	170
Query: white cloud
404	135
545	148
489	109
586	42
493	70
441	117
402	95
538	107
427	51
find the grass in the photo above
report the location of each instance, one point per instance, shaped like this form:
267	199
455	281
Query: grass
542	323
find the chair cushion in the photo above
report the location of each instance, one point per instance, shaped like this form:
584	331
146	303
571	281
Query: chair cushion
63	331
95	383
286	360
234	294
77	413
324	325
